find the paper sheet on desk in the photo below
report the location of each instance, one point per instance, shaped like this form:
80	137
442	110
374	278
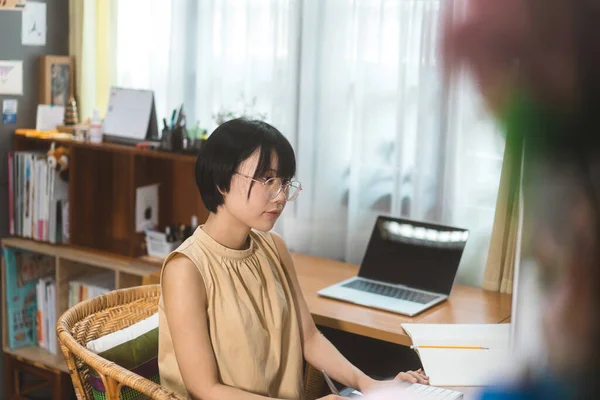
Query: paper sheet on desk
494	336
462	367
449	367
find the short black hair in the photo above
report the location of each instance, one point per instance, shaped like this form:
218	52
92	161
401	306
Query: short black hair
230	144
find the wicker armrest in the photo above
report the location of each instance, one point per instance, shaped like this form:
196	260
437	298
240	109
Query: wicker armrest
98	317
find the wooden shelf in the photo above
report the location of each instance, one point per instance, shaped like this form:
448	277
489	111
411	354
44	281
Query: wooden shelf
26	141
138	266
37	355
152	260
73	262
125	280
103	179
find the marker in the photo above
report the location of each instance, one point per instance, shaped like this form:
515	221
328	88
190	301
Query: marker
173	118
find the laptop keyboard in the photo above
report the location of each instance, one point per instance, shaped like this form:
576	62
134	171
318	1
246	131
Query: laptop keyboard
432	392
390	291
425	392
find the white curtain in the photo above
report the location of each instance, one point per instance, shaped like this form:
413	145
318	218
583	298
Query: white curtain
238	56
356	87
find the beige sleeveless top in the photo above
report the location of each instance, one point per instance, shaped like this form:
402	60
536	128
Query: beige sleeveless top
252	318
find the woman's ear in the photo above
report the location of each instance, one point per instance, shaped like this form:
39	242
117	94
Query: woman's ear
223	192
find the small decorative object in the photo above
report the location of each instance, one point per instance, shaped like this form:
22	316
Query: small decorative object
58	159
71	112
246	112
57	80
81	132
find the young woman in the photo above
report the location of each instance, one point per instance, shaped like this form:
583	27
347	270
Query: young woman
233	321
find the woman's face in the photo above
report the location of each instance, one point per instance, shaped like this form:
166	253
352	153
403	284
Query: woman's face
249	201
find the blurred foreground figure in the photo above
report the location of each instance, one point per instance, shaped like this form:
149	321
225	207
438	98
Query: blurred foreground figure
536	63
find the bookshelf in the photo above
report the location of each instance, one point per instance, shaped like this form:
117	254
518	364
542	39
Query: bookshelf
102	186
71	263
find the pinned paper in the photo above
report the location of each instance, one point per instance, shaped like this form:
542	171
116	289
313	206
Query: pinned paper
49	117
11	77
9	111
16	5
33	31
146	207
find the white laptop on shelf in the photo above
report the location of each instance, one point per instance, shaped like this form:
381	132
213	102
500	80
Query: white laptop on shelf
408	267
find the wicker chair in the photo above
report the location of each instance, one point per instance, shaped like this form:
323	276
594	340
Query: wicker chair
108	313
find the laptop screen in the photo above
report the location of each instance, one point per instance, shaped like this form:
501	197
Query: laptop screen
416	254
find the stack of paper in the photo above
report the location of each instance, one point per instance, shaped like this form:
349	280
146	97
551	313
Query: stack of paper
461	355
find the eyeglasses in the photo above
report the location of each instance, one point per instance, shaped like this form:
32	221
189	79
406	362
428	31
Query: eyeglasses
275	185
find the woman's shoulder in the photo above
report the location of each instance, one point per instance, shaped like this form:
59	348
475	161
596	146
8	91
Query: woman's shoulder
191	253
182	250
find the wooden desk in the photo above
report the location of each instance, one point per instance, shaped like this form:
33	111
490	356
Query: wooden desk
466	305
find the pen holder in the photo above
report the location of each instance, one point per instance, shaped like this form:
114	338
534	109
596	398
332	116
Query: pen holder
165	140
173	139
177	138
195	145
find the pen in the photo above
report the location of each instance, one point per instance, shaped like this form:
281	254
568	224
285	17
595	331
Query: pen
179	116
330	384
173	118
451	347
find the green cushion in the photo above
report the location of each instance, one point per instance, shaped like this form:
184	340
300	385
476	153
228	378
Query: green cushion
134	348
134	353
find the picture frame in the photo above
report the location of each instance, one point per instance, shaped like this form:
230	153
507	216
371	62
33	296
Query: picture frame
57	79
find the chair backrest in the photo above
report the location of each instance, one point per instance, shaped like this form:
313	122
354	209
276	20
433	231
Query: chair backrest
98	317
109	313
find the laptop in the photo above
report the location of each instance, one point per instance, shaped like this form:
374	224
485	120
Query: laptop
408	267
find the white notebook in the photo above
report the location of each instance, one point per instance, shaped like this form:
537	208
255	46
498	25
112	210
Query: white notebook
461	367
425	392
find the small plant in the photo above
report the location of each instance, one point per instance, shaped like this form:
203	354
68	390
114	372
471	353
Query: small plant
247	112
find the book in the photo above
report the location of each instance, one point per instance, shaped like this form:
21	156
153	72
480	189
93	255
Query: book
38	198
42	316
90	286
461	354
11	192
21	304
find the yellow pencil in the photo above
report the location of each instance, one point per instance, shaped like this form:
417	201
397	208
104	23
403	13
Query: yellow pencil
450	347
